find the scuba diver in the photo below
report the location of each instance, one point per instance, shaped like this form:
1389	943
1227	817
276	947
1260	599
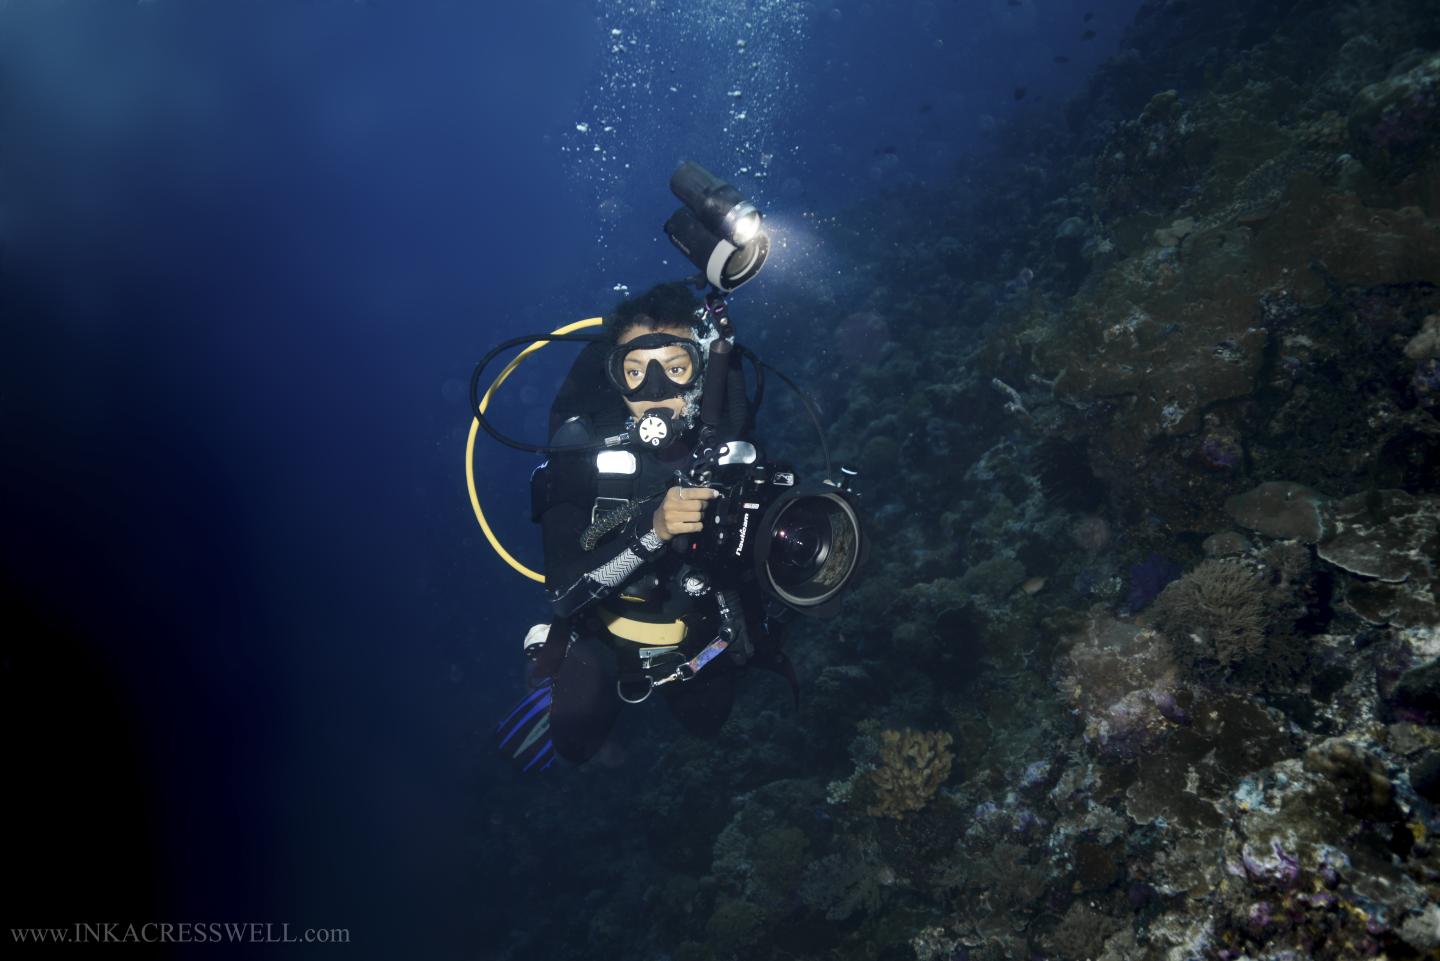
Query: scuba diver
673	551
608	525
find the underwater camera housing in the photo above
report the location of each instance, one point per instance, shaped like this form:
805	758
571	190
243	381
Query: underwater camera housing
803	543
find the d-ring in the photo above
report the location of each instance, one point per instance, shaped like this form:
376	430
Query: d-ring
620	691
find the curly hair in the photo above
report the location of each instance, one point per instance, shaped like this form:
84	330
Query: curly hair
664	305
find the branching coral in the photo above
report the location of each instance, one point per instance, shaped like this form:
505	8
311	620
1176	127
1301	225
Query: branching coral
913	765
1082	932
996	892
846	883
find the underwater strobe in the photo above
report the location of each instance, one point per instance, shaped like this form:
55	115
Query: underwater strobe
718	229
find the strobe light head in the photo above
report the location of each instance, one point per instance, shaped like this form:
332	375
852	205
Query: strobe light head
725	265
720	207
718	229
743	222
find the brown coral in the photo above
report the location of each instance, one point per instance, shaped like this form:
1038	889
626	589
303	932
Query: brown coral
913	765
1220	606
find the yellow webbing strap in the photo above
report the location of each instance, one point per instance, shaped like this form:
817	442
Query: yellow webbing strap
643	632
475	429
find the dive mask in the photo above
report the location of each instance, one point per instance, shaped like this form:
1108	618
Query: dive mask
647	379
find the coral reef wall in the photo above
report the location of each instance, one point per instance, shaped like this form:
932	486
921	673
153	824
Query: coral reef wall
1160	584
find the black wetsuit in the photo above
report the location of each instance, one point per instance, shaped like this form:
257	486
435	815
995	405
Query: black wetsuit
629	563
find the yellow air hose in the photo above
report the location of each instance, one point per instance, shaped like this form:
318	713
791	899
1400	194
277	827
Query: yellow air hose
475	429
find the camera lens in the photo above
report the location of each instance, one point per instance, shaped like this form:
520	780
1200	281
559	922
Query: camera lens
796	549
813	549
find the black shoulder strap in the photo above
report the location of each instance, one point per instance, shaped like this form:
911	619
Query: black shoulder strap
564	477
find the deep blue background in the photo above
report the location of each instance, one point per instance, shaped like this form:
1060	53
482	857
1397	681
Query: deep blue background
254	639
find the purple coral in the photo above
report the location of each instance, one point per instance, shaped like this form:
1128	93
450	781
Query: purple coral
1289	865
1328	875
1283	871
1220	451
1035	774
1140	895
1323	900
1260	918
1148	578
1169	708
1028	822
1408	122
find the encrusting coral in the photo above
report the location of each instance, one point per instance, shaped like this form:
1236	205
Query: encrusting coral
913	765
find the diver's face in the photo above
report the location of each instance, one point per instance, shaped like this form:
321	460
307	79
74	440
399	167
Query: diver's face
673	360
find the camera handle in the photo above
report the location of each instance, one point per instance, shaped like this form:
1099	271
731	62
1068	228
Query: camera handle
683	544
719	314
704	460
732	625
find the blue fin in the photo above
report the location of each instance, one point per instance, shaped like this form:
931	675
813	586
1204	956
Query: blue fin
524	735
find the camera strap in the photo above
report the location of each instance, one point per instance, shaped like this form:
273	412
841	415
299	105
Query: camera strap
732	625
684	672
693	666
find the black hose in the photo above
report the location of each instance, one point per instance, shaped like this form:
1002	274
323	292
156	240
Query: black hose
753	407
737	403
804	400
494	431
717	381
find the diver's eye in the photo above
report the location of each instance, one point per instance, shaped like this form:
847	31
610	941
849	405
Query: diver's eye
678	372
631	374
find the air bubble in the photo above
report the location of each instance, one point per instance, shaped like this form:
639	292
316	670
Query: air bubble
666	40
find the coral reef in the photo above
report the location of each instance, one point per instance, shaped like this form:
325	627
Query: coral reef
846	883
1146	666
1278	509
911	768
1390	541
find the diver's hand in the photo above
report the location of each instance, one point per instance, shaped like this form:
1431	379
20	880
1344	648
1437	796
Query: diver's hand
681	510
